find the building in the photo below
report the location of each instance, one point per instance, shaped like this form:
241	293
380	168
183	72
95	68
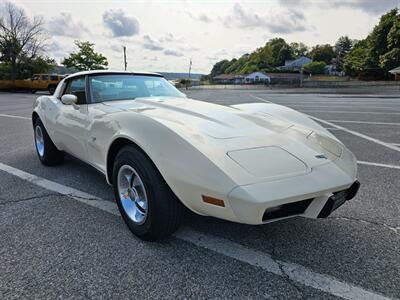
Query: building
257	77
396	73
296	64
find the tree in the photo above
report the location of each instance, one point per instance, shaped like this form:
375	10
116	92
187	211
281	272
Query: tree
372	57
342	47
37	66
86	58
356	60
323	53
315	67
21	39
390	60
298	49
219	68
280	51
378	38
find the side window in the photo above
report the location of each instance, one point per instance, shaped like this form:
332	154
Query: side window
45	77
77	87
53	77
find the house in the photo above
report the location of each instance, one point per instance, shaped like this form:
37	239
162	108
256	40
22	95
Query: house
257	77
396	73
296	64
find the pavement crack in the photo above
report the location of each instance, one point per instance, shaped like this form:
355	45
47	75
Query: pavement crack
5	202
280	265
396	230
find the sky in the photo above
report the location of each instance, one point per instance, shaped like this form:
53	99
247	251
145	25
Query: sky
164	35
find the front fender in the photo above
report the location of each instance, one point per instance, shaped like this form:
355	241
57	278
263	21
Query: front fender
188	172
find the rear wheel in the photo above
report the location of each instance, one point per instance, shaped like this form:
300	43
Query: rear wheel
147	204
48	153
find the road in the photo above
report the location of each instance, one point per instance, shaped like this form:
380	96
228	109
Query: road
61	236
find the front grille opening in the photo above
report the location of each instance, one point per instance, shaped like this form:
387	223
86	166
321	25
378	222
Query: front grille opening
286	210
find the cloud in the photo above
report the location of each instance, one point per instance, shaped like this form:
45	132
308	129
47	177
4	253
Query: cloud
116	48
65	25
287	21
150	44
58	51
120	24
201	17
170	38
173	53
368	6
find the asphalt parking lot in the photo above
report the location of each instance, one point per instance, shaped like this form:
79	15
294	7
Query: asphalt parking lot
61	237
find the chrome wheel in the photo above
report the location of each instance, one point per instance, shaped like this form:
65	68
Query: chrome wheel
39	141
132	194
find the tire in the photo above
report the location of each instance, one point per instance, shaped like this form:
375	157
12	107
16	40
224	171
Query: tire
51	89
150	209
47	152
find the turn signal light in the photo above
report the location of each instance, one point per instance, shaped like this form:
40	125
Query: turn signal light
214	201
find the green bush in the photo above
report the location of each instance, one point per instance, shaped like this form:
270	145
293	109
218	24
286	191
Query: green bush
315	67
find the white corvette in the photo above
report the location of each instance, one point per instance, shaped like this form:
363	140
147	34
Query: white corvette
249	163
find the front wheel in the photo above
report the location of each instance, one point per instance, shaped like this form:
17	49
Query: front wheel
48	153
147	204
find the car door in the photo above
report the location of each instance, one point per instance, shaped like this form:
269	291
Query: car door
72	120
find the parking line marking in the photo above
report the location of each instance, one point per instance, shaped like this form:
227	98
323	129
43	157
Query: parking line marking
378	165
261	99
15	117
341	106
294	272
62	189
364	122
262	260
352	112
371	139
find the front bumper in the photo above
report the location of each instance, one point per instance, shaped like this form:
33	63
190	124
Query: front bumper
338	199
314	195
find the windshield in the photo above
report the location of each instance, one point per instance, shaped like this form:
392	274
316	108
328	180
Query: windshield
124	87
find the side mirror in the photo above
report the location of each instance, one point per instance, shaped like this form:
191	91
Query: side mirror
69	99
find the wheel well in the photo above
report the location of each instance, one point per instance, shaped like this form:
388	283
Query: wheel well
117	145
35	116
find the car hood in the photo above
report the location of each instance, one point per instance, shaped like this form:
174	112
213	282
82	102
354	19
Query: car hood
216	121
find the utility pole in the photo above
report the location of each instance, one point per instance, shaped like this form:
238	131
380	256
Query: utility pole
190	69
125	63
301	76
